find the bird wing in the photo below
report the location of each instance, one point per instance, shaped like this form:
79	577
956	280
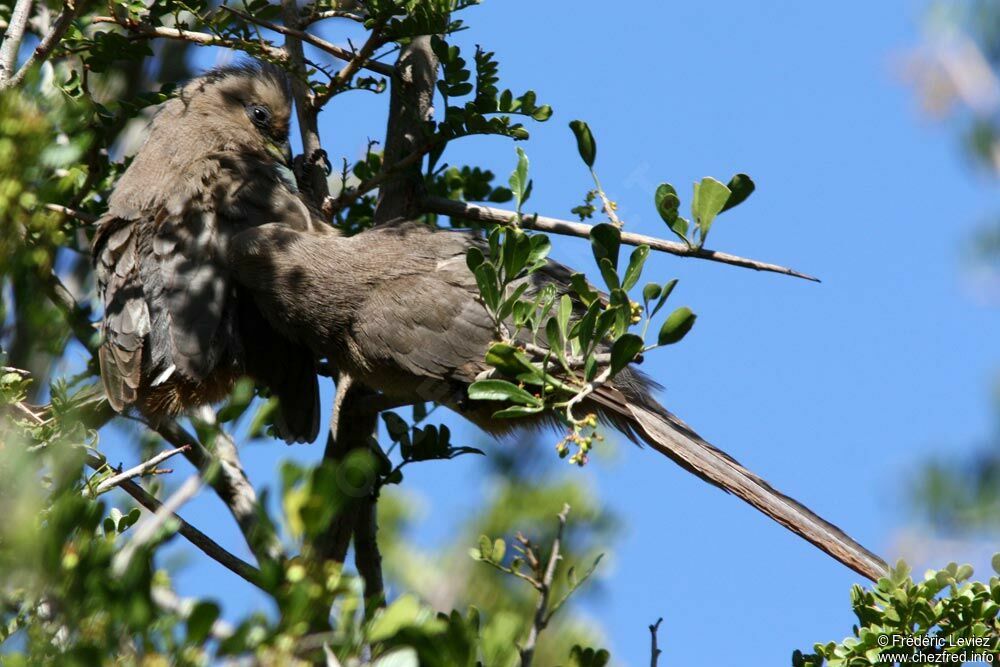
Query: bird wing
225	193
426	323
126	324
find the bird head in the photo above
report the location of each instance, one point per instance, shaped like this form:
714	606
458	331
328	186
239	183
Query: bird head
249	104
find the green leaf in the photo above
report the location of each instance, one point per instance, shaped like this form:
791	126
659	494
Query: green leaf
519	178
650	292
709	197
741	186
486	280
624	350
664	295
474	257
540	249
199	622
667	202
609	274
501	390
554	337
579	283
635	264
518	411
485	547
512	362
677	326
996	563
584	141
405	612
606	240
499	549
565	310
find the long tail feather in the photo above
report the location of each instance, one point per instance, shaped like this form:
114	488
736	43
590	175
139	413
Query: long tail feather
674	439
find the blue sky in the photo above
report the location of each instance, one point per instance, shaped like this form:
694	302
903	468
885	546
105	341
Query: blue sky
833	392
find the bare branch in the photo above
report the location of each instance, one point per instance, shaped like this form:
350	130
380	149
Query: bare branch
363	55
351	425
147	529
544	590
654	651
291	31
73	213
410	106
11	44
144	31
333	14
199	539
540	223
333	204
137	471
48	42
305	107
229	482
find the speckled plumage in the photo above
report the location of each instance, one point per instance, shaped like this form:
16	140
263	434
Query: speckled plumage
178	331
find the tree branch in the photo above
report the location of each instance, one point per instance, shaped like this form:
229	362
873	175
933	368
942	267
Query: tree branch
147	529
136	471
305	108
48	42
459	209
410	107
363	55
144	31
654	650
544	590
11	44
291	29
230	483
203	542
352	424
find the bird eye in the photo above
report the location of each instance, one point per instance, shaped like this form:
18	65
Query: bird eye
260	115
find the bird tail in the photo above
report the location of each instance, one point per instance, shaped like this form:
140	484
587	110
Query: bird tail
674	439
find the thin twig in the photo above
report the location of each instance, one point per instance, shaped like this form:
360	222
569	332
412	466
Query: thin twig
230	482
363	55
545	588
319	43
48	42
199	539
144	31
146	530
137	471
12	41
82	216
77	316
333	204
540	223
203	542
309	19
654	650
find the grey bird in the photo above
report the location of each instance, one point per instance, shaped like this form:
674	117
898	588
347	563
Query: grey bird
178	331
398	309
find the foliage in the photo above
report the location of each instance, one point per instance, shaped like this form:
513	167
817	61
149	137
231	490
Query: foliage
945	618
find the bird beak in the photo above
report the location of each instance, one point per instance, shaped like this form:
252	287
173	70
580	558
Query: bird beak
282	152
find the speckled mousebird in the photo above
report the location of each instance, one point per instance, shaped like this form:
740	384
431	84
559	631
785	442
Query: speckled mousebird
178	331
399	310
